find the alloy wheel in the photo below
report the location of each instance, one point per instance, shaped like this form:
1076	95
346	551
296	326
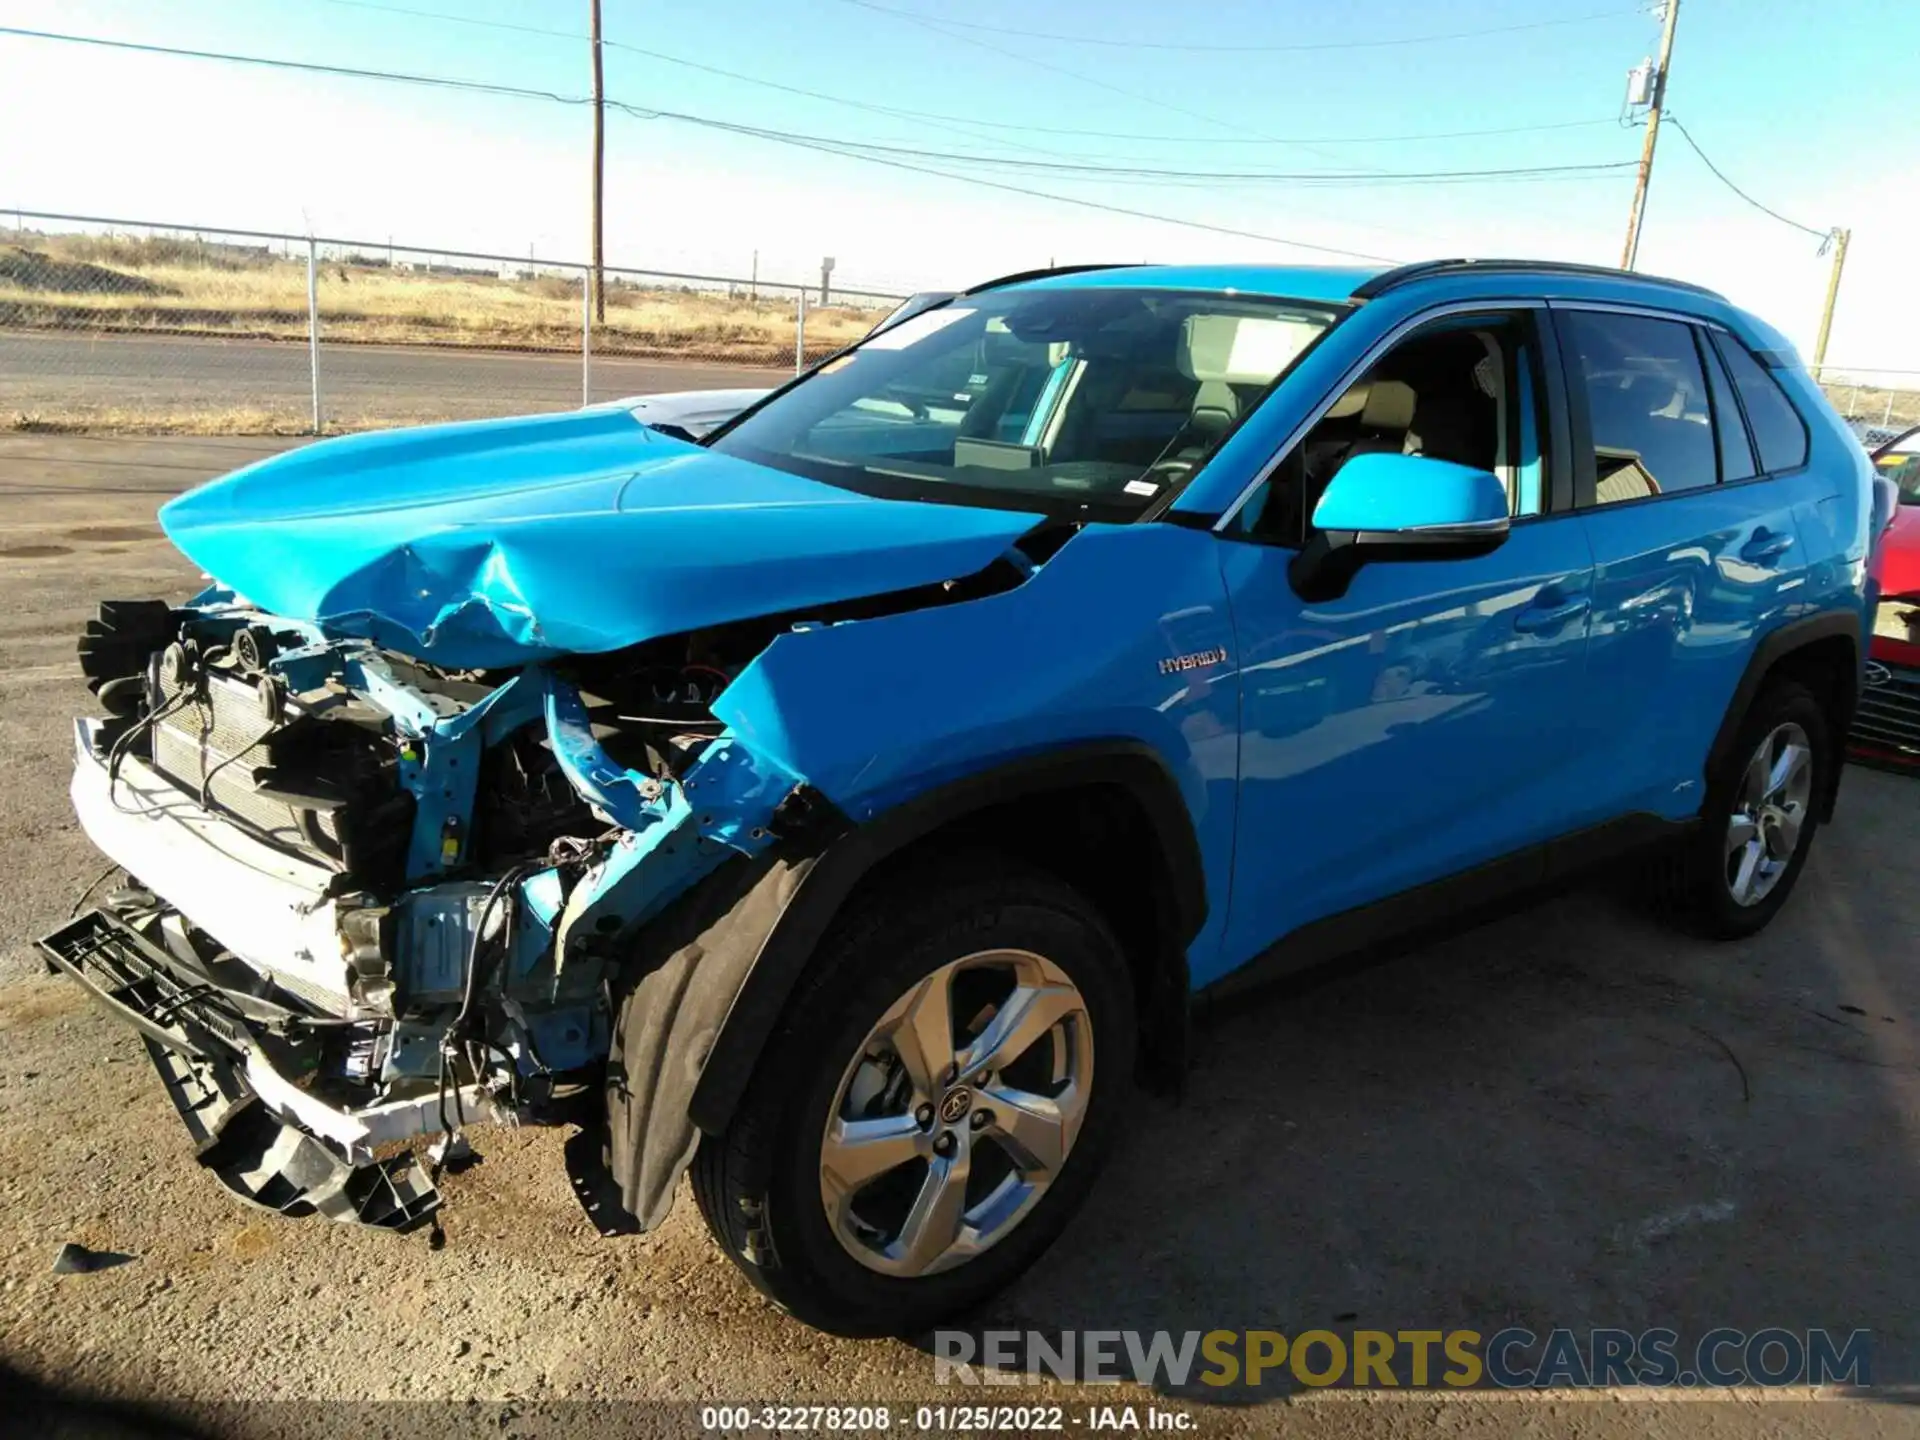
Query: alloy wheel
957	1113
1770	809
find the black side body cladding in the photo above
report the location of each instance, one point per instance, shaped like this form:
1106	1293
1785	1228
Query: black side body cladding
1432	906
824	889
1778	645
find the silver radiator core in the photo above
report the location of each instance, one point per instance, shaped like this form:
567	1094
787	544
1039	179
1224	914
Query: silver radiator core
212	746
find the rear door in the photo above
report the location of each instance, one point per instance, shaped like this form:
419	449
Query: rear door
1694	537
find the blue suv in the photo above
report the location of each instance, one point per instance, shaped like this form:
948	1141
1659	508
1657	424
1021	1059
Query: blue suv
847	807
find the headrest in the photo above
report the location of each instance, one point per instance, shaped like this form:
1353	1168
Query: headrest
1389	406
1351	403
1240	349
1215	407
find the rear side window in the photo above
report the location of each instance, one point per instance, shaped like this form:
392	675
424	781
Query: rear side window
1647	405
1736	450
1779	433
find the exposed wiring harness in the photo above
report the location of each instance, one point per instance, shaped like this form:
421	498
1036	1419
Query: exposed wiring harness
92	885
192	690
461	1042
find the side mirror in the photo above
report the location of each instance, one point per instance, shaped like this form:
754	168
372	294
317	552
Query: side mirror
1397	507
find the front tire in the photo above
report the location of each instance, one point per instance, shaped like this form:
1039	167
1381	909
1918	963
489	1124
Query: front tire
949	1078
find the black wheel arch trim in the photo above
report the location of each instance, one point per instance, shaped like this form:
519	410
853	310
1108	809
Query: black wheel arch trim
1775	646
851	852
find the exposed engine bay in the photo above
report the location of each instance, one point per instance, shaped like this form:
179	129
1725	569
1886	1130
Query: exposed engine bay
424	875
464	712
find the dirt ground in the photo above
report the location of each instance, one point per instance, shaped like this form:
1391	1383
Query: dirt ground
1566	1117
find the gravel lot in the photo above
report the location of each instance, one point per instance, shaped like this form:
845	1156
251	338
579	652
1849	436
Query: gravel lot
1567	1117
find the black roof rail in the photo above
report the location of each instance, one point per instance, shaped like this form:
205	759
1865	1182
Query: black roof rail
1425	269
1020	276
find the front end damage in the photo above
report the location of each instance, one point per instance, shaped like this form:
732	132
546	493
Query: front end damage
372	898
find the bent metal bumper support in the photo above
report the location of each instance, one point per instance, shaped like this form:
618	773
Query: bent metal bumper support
214	1074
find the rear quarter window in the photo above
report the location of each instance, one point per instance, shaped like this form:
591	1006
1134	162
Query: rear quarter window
1779	434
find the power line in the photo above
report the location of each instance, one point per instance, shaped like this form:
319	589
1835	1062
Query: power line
351	72
1238	48
970	121
1300	177
958	125
863	148
1720	175
941	28
807	142
1094	204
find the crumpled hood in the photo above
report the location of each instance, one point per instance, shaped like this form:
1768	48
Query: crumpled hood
504	541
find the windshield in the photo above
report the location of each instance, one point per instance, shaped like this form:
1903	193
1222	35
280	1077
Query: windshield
1900	463
1075	401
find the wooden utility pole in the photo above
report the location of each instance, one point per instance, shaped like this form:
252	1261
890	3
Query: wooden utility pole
1840	239
1656	104
599	172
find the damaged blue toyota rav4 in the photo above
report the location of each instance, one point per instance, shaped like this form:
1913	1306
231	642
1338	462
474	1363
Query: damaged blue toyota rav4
847	807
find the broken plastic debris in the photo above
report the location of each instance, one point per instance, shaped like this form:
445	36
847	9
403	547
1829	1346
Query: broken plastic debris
449	1150
79	1260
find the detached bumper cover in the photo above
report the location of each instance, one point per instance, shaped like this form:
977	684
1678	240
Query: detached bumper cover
244	1116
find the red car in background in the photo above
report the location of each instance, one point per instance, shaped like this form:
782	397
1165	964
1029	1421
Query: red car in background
1887	727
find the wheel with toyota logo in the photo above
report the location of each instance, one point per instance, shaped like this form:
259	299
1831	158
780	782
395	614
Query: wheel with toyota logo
936	1105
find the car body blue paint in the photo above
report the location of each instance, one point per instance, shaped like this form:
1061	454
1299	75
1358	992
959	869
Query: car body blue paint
498	542
1416	726
1439	714
1013	675
1408	492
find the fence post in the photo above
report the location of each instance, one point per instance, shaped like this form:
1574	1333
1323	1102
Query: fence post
313	325
800	334
586	337
1887	419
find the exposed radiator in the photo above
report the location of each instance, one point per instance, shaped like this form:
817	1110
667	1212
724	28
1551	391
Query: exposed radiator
212	746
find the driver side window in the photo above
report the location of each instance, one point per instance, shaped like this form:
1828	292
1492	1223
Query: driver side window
1464	389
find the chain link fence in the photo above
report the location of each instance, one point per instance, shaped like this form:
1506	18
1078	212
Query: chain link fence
1877	403
122	326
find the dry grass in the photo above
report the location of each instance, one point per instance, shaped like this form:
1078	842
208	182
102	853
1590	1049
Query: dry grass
84	419
161	285
137	420
1881	405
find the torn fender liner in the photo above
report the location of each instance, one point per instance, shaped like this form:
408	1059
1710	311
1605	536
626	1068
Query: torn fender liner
691	964
198	1044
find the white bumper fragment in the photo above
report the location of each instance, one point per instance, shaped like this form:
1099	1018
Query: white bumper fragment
267	907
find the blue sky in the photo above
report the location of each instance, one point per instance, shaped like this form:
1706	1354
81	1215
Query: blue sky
1785	96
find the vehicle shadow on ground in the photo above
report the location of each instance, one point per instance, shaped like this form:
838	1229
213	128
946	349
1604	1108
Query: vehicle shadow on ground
1567	1117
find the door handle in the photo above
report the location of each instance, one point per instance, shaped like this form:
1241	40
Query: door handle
1538	619
1764	546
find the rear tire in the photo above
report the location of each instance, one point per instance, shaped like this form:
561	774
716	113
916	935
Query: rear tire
1008	955
1757	826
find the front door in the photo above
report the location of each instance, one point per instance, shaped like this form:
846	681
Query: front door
1416	726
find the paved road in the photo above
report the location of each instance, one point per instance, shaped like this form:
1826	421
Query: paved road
77	375
1568	1117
